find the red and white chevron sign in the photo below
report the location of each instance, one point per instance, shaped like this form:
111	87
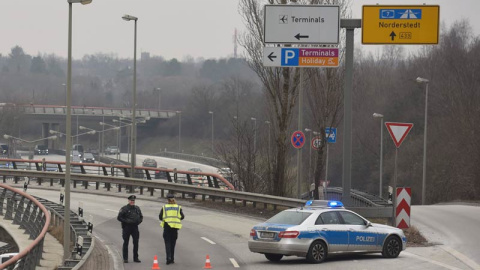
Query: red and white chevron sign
404	196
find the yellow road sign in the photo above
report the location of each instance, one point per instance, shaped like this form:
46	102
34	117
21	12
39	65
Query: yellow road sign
400	24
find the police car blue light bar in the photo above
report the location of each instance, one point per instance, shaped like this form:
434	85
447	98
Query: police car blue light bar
323	203
335	204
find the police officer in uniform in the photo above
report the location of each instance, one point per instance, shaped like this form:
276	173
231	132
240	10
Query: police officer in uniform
171	216
130	216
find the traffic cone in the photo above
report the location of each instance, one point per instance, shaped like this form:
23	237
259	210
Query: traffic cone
155	263
207	263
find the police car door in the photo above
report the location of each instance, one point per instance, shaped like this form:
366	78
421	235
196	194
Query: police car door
329	226
361	236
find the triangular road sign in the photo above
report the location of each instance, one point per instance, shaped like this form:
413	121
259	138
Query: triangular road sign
398	131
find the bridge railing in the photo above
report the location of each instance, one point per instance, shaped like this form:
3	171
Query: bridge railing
32	217
191	190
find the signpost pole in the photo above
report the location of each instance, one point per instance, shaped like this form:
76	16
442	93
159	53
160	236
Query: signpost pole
350	25
394	193
300	120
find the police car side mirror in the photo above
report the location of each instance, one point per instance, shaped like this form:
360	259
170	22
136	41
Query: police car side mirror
369	224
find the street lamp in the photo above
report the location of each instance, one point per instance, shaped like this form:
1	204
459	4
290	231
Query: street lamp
254	134
179	131
113	127
133	144
424	179
269	127
377	115
158	89
125	124
310	154
210	112
68	126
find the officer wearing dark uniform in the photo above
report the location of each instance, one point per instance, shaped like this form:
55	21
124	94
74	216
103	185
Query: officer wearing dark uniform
171	216
130	216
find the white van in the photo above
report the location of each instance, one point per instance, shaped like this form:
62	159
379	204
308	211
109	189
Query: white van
7	256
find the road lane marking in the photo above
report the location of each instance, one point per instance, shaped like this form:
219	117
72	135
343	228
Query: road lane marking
461	257
235	264
111	210
208	240
432	261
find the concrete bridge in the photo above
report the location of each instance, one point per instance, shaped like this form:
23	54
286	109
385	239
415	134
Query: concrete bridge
40	119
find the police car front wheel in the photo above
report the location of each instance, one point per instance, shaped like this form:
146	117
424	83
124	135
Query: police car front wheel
274	257
392	247
317	252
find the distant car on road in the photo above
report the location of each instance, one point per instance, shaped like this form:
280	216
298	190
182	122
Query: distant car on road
149	162
76	156
197	178
41	149
3	149
161	174
88	158
112	150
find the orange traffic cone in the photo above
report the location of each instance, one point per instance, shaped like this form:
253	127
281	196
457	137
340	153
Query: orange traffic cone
155	263
207	263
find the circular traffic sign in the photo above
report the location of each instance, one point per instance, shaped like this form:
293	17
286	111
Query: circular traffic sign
316	143
298	139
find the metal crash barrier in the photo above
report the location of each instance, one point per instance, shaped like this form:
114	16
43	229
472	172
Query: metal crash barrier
32	217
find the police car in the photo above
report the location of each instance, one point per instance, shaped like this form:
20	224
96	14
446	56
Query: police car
321	228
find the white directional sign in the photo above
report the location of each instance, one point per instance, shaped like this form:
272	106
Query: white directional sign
300	57
307	24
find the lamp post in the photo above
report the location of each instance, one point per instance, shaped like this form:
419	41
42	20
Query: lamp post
179	131
94	131
68	126
65	86
133	135
8	137
424	178
158	89
125	124
254	134
210	112
380	116
269	127
310	153
113	127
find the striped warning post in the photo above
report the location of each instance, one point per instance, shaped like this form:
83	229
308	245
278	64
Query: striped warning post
404	197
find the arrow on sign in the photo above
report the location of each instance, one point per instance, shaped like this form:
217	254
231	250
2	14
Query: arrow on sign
393	35
398	131
298	36
271	56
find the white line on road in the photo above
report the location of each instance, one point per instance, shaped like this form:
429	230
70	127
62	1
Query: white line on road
462	257
235	264
208	240
432	261
111	210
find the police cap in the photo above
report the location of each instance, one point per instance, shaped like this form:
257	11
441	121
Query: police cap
132	197
170	196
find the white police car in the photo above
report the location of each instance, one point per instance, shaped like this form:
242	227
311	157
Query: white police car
321	228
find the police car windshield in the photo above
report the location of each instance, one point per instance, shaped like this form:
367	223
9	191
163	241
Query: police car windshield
289	217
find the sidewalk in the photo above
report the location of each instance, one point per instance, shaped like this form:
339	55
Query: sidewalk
52	250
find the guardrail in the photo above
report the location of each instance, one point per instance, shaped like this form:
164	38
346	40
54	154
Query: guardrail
78	228
193	191
33	218
171	175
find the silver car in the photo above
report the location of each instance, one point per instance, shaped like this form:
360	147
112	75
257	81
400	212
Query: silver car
321	228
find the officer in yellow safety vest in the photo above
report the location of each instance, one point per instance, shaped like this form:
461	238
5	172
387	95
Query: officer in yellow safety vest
171	215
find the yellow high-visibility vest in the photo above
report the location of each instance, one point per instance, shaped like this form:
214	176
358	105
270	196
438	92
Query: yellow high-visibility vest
171	215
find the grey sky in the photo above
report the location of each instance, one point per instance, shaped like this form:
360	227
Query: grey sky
172	29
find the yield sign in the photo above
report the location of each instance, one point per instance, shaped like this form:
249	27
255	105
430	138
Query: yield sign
398	131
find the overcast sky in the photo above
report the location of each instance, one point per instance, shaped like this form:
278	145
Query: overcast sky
168	28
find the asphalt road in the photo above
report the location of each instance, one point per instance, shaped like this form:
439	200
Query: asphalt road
224	236
452	229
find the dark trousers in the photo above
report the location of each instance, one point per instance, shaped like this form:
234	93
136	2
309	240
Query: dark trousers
170	237
130	230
